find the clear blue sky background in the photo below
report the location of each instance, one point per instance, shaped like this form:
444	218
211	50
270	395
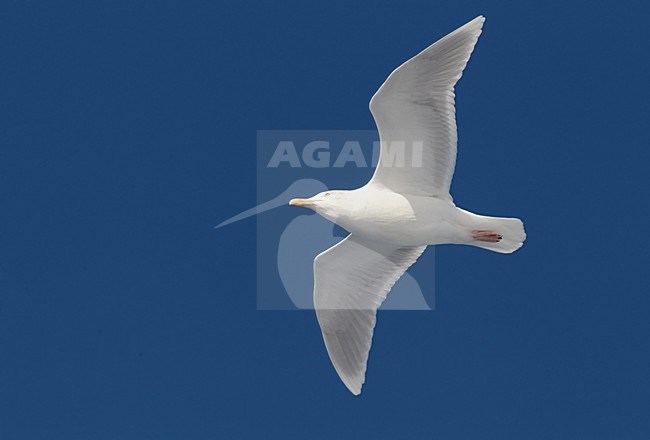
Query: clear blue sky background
127	131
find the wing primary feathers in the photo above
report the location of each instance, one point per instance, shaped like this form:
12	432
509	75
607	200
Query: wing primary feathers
351	280
415	105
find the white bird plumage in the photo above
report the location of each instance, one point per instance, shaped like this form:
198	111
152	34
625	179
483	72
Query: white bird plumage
402	209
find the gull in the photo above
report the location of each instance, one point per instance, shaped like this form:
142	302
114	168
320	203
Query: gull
405	206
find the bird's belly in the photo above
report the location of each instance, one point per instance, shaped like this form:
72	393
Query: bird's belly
408	233
421	224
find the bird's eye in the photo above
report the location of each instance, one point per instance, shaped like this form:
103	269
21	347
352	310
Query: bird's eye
328	194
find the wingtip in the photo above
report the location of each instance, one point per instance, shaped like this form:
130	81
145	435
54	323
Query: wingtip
353	386
478	21
355	391
475	25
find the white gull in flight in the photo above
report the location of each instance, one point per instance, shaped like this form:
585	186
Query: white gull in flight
405	207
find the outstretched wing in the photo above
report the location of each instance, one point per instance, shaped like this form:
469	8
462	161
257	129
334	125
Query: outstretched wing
414	110
351	280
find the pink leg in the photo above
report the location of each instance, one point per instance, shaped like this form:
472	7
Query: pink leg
488	236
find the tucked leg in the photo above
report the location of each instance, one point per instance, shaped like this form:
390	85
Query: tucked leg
487	236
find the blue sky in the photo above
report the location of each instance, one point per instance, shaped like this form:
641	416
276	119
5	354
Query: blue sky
128	131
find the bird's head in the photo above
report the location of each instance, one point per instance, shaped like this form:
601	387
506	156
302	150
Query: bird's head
330	204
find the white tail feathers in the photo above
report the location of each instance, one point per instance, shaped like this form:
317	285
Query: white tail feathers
512	230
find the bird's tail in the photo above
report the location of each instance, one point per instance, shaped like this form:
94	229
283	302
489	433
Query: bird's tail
509	234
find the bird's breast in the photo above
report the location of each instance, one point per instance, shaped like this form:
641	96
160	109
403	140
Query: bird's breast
395	218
